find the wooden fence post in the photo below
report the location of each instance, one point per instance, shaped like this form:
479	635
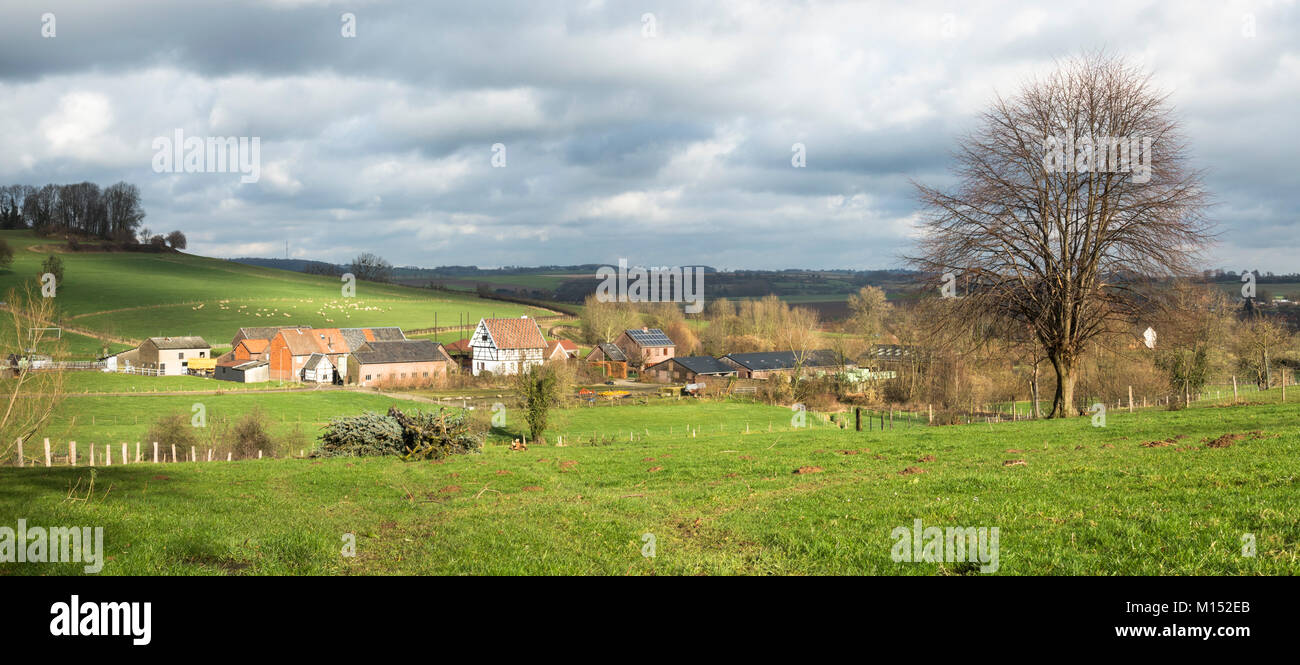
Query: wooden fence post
72	452
259	454
1234	388
228	456
137	452
92	454
193	457
125	459
20	452
930	408
108	454
1130	399
47	450
857	417
173	452
155	452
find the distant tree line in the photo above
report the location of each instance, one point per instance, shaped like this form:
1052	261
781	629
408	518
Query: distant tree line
112	213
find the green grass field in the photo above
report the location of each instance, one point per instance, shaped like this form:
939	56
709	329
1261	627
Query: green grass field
114	419
136	295
1085	501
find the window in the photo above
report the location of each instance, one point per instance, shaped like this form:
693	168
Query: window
367	377
203	354
180	355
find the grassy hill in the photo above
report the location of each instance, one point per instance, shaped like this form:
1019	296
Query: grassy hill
129	296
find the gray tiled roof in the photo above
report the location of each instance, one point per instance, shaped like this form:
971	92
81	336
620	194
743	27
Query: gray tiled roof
185	342
406	351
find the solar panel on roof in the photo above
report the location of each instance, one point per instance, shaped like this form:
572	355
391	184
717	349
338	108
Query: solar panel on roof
652	337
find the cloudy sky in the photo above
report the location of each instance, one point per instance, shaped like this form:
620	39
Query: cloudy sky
659	131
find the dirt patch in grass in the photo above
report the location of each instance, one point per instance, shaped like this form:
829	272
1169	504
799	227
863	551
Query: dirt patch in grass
502	472
1107	445
911	471
808	469
161	477
647	459
925	458
450	489
568	464
1014	462
654	469
1228	439
1167	442
532	488
1012	450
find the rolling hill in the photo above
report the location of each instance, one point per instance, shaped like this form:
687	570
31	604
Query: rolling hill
119	298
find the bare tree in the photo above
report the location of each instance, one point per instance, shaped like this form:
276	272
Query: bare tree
371	267
604	321
177	240
1044	236
30	396
869	309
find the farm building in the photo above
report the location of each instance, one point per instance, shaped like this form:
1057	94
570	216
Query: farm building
407	361
250	349
290	348
606	352
560	349
258	332
243	371
645	347
126	361
461	352
318	369
610	358
170	356
764	364
506	346
688	369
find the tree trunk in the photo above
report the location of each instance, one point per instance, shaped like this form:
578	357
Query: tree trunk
1063	400
1033	391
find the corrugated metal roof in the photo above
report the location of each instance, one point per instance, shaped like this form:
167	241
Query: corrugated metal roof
612	352
766	361
702	364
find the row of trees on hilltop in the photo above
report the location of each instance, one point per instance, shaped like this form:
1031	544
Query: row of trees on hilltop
112	213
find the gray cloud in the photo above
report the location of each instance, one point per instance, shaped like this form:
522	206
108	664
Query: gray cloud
668	150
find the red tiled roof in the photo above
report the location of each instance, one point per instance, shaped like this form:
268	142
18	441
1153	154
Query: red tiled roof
256	345
520	333
306	341
458	346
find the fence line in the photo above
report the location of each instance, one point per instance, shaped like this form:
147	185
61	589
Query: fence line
51	458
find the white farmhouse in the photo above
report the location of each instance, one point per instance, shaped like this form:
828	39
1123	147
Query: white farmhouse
505	346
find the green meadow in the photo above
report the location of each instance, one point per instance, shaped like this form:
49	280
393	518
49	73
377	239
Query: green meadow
1067	497
137	295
